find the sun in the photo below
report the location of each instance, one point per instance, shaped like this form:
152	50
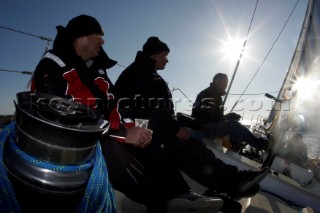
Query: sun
232	48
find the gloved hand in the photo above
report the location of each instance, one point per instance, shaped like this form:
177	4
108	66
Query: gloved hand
232	116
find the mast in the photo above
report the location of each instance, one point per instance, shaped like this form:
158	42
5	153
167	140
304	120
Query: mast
240	56
235	70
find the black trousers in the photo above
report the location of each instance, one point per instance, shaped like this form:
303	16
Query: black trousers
151	175
144	175
200	163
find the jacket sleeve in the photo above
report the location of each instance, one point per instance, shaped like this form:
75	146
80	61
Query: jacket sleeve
165	122
140	97
48	78
208	109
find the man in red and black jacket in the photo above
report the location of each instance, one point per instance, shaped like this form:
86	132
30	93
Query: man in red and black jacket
75	68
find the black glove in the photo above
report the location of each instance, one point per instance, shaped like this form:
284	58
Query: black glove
232	116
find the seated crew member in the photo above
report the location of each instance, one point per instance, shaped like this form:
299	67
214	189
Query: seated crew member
143	93
209	108
76	68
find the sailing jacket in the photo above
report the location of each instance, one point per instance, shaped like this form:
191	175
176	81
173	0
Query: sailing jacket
143	93
208	106
65	74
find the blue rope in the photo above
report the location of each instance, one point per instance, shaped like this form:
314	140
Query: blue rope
45	165
98	197
8	200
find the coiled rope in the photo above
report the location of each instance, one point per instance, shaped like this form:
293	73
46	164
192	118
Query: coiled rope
8	200
98	197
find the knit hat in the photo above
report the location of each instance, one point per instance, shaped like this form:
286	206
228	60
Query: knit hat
154	46
83	25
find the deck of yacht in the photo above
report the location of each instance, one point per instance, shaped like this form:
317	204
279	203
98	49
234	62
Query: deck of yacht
260	203
278	193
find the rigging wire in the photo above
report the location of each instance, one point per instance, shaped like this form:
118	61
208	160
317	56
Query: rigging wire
174	89
265	58
241	53
18	31
121	65
254	93
13	71
29	34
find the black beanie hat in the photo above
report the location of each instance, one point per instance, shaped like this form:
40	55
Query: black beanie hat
154	46
83	25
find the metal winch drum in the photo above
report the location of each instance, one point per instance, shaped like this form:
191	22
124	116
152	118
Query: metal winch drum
56	131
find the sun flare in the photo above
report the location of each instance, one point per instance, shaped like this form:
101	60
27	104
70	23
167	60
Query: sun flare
232	49
306	87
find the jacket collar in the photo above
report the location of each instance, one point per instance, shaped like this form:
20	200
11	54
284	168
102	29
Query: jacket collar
145	60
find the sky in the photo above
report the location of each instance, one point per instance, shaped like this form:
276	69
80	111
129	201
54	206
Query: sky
196	31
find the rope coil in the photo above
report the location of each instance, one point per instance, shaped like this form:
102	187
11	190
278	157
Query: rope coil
98	197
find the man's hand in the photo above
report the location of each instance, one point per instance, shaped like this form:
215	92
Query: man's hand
183	134
138	136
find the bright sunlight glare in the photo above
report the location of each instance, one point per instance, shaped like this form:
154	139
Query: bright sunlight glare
306	87
232	49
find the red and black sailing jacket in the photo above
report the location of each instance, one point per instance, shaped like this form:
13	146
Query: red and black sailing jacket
65	74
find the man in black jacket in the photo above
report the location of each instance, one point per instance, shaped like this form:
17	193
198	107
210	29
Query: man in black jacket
209	108
143	93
